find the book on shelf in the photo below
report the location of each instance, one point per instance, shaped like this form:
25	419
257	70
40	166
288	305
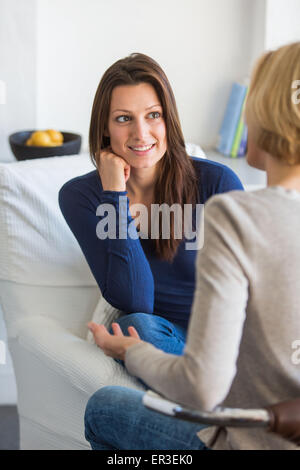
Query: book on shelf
244	140
231	131
239	131
237	139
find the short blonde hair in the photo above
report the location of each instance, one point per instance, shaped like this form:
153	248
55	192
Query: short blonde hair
271	105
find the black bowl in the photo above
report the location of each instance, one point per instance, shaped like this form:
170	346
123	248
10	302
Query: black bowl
71	146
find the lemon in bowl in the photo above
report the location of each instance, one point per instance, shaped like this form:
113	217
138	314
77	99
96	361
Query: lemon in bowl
55	136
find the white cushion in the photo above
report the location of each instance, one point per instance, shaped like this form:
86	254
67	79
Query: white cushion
194	150
57	373
104	314
71	306
36	245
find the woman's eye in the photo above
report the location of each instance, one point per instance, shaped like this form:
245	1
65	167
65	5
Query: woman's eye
157	114
122	118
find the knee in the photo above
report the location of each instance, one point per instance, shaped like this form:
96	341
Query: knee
101	400
97	403
140	321
99	409
109	402
151	328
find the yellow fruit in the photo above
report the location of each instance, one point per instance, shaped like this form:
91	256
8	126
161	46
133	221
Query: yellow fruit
49	138
55	136
54	144
40	139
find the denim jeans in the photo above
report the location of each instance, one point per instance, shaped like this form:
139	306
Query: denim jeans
156	330
116	419
167	336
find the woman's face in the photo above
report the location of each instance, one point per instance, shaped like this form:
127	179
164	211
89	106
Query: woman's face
136	125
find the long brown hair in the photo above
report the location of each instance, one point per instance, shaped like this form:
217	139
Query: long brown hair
176	180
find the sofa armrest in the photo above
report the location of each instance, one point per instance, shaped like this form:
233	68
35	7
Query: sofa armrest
84	365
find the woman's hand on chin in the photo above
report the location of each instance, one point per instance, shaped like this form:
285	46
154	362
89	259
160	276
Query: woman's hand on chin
114	345
114	171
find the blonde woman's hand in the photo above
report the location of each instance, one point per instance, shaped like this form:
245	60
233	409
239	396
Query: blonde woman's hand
114	345
114	171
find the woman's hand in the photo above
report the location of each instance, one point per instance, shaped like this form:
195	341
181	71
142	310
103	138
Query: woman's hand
114	171
114	345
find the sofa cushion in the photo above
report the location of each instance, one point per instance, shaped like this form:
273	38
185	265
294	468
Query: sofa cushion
104	314
36	245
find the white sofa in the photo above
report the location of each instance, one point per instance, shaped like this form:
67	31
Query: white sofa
48	294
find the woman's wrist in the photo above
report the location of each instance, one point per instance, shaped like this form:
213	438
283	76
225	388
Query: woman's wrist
116	186
113	184
129	344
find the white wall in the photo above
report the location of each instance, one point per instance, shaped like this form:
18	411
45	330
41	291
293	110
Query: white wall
282	22
53	53
202	46
17	69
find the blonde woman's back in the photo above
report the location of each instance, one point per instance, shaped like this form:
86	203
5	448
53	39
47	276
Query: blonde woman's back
262	229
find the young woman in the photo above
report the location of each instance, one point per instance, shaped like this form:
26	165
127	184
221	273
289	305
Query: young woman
245	326
138	149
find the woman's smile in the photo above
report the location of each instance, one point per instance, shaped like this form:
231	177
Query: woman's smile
144	150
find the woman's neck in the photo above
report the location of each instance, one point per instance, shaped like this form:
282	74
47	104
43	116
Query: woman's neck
141	181
280	174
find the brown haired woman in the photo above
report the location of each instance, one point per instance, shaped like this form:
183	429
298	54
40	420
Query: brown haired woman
138	149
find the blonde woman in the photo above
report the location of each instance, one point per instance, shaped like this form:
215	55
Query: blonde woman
245	316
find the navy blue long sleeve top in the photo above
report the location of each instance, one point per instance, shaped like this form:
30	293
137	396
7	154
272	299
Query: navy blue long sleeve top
127	270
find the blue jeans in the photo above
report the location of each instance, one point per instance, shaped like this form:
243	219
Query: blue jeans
167	336
156	330
116	419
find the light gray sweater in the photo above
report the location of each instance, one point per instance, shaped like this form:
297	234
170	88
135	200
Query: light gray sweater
245	317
